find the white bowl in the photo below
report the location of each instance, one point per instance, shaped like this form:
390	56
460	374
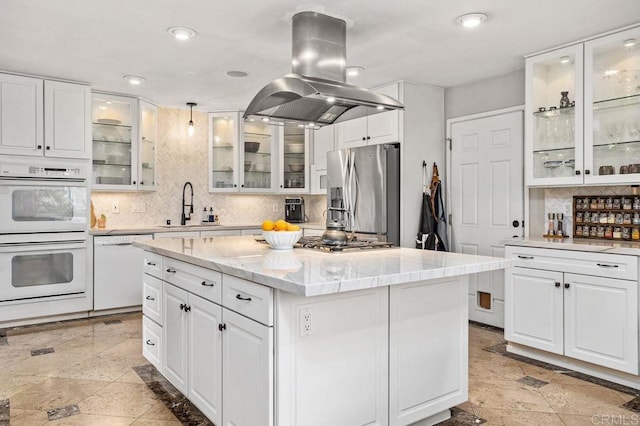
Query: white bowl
296	148
281	240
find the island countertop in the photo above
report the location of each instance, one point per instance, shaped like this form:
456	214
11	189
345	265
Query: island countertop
309	272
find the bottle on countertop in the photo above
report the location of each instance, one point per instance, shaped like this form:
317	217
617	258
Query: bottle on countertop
205	216
211	217
560	217
551	225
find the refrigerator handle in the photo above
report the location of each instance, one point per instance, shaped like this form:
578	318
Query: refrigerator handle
353	195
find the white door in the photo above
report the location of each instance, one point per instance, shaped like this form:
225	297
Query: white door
534	300
205	357
248	372
486	201
601	321
352	133
67	112
175	337
20	115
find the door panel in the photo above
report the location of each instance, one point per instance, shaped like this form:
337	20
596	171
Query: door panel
67	126
487	197
21	118
601	321
175	337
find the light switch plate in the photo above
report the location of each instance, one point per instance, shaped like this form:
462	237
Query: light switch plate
115	207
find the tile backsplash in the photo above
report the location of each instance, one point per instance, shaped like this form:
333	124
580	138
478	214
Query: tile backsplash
182	158
560	200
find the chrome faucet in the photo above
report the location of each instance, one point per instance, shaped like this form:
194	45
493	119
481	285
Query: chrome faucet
184	218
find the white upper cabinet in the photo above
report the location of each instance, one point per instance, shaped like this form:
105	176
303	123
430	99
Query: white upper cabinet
591	135
260	143
553	135
41	117
375	129
612	108
224	140
124	143
294	159
21	115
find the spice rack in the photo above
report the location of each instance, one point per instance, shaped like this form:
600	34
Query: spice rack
604	217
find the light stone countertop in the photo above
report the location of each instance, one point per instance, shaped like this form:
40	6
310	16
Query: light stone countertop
149	229
579	244
309	272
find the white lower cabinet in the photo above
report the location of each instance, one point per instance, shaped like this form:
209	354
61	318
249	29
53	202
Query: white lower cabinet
584	317
247	374
175	336
152	342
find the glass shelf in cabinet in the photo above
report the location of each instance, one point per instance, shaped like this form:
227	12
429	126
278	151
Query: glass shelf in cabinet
294	154
550	150
222	171
122	126
616	102
258	154
258	135
260	172
223	147
555	112
612	145
106	141
102	163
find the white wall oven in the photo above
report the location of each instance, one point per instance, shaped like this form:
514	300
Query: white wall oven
43	237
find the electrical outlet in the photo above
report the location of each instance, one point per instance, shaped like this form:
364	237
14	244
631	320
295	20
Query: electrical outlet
305	322
138	207
115	207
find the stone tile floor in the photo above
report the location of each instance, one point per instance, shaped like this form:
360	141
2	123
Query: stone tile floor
91	372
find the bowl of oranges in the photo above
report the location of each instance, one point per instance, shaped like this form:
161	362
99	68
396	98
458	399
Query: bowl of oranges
280	234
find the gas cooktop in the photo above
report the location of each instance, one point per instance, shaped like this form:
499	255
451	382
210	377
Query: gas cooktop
316	243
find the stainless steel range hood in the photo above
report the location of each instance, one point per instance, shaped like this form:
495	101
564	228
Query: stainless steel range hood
316	91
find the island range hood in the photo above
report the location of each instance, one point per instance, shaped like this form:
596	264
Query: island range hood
316	92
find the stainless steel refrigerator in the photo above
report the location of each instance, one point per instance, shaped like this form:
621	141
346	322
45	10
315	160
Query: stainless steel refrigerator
364	190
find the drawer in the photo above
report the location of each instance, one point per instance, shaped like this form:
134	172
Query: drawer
152	342
153	264
249	299
152	298
576	262
194	279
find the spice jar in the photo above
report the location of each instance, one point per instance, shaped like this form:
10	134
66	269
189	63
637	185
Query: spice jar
601	203
593	203
626	203
608	232
635	234
617	233
600	232
611	218
593	232
578	231
609	203
627	219
595	217
578	217
616	204
585	231
619	218
636	203
604	218
626	233
636	219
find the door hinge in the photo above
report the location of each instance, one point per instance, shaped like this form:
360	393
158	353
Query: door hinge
450	143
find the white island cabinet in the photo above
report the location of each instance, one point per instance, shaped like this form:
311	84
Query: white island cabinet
308	338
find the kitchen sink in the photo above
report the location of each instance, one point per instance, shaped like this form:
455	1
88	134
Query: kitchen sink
194	225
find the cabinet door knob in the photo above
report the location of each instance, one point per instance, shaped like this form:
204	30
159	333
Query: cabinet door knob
587	172
141	183
368	137
182	306
187	308
515	223
281	186
364	138
206	284
151	264
577	172
557	284
48	148
567	285
39	146
243	298
242	185
134	182
150	343
235	186
150	298
171	270
222	327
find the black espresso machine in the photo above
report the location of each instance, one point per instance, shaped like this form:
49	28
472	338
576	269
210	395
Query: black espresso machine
294	210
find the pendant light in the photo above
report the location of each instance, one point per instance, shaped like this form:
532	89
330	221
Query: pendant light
190	129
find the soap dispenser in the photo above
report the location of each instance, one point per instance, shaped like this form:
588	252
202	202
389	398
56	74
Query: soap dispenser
211	218
205	216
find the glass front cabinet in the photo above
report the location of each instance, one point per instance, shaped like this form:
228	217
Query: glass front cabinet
582	113
124	143
242	156
294	159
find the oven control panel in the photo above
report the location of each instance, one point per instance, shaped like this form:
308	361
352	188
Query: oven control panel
23	170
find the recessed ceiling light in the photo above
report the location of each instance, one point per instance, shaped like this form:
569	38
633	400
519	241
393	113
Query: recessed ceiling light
471	20
565	59
181	33
136	80
331	99
237	74
629	42
265	119
609	73
379	107
354	71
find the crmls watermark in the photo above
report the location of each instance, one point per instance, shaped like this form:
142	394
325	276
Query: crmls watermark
615	419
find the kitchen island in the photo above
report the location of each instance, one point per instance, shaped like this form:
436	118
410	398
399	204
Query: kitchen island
254	336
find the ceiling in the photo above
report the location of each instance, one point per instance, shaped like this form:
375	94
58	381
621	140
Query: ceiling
100	41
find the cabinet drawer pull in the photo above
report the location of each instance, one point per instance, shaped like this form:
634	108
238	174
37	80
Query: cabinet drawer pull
151	264
243	298
222	327
525	257
567	285
183	307
557	284
150	343
171	270
604	265
206	284
150	298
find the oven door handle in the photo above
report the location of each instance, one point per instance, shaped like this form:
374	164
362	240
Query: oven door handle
13	181
40	245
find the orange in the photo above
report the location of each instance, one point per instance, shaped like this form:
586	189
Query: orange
281	225
293	227
267	225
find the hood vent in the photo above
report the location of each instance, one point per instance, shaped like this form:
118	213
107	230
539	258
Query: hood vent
316	91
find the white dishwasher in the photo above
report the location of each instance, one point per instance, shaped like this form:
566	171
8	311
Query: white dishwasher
117	271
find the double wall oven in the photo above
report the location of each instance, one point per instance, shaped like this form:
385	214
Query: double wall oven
44	208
